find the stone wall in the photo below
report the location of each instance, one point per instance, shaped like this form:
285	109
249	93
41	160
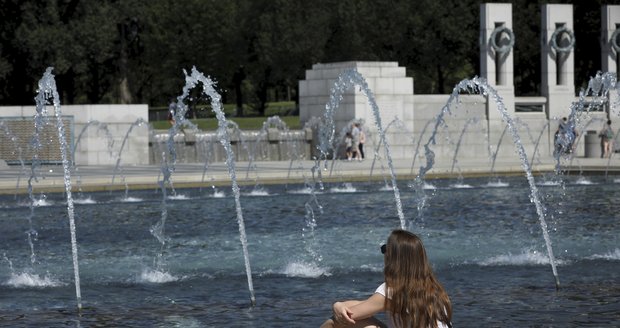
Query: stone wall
205	147
95	133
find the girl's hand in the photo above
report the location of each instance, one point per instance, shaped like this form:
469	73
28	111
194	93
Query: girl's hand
342	314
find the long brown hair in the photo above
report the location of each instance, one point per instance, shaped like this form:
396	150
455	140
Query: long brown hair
416	298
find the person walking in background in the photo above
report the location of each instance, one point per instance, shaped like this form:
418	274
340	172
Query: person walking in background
362	142
411	295
607	138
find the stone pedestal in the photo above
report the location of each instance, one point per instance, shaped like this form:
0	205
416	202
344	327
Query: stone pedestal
392	89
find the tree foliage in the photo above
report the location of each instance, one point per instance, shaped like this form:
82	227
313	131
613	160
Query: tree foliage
112	51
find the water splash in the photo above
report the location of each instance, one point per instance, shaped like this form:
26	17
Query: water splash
304	270
155	276
527	257
46	91
345	188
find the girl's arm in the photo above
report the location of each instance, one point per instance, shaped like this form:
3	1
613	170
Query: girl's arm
342	312
367	308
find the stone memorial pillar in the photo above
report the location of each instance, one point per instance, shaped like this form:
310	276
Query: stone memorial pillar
497	67
610	36
610	46
496	55
558	60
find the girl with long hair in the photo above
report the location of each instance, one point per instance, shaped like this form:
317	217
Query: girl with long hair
411	295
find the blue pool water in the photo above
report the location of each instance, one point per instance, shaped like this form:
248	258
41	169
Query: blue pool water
484	241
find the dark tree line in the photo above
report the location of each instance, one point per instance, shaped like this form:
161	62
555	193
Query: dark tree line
134	51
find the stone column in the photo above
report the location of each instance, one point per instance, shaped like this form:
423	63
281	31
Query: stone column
496	54
558	61
497	67
610	47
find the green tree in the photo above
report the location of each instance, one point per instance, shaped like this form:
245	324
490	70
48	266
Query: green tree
443	44
288	37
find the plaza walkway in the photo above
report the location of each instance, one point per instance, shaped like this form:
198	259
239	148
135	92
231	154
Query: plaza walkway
14	179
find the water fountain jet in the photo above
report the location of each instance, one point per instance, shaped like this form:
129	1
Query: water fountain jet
47	91
479	85
191	81
350	78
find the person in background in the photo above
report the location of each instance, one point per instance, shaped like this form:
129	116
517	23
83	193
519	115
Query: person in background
565	138
355	133
362	142
411	295
348	143
171	110
607	138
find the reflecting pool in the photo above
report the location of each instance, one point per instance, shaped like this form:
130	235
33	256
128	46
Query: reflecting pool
483	239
